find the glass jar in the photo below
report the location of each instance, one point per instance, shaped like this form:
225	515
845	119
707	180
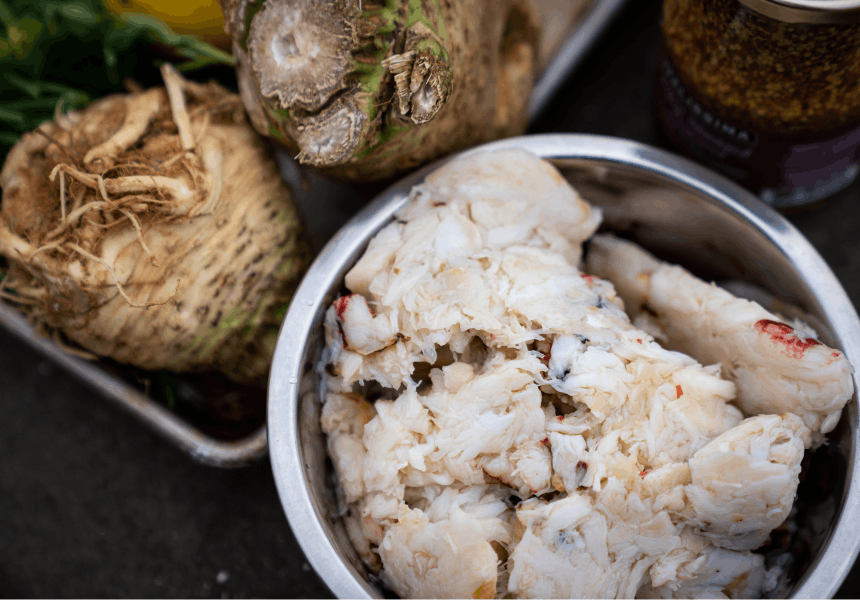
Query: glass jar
766	92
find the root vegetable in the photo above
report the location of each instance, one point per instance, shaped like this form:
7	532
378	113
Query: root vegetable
367	89
154	229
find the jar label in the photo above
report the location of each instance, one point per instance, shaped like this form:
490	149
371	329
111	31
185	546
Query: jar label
784	170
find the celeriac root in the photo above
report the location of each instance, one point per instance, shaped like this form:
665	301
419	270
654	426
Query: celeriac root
141	110
113	274
153	229
173	84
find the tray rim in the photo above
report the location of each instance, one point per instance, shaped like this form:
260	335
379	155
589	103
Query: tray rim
571	52
202	447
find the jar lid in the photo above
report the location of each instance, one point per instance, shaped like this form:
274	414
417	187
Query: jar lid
830	12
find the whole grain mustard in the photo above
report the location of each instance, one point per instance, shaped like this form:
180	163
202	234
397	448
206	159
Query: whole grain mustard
767	94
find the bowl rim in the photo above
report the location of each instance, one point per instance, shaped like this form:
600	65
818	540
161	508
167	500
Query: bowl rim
827	571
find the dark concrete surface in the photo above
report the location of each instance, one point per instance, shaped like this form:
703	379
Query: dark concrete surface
94	505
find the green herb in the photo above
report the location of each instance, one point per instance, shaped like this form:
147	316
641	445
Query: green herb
57	56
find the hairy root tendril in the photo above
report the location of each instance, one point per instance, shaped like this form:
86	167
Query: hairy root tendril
117	181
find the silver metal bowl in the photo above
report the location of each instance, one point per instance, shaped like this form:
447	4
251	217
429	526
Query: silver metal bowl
681	211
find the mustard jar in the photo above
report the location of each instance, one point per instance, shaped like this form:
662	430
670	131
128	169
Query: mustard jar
766	92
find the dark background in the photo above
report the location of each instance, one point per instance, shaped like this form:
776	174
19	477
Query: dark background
94	505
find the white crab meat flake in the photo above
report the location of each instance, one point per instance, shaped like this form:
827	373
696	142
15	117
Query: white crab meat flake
446	549
500	428
777	368
744	481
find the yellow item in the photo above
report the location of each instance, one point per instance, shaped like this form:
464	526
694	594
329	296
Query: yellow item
202	18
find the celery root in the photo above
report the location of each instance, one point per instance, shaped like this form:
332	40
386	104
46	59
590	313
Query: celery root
153	229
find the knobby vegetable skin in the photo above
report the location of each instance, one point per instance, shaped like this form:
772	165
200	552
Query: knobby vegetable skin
153	229
367	89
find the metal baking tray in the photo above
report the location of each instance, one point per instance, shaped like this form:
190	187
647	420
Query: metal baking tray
327	206
572	51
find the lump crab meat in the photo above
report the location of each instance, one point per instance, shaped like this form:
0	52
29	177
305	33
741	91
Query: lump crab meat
776	367
606	545
745	480
445	550
526	439
722	574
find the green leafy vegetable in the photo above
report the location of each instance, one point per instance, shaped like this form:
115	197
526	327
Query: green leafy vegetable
57	56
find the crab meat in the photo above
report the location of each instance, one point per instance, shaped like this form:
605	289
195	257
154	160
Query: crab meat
528	468
343	419
445	551
722	574
660	412
464	427
777	368
514	199
506	377
361	330
594	546
459	257
365	535
744	481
